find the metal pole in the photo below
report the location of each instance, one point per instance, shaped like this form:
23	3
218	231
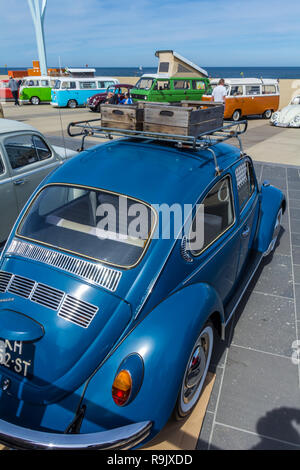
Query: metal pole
38	16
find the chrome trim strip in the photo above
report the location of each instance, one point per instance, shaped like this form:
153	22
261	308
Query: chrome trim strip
244	290
30	172
18	437
101	275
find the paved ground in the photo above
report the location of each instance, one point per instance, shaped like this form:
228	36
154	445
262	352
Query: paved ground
255	403
262	141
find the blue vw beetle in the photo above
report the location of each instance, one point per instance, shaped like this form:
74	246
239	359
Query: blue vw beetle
108	321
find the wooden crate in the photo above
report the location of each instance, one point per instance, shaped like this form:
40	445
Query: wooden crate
126	116
191	118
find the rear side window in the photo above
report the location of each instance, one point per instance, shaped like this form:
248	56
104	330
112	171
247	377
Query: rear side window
45	83
269	90
181	84
68	85
22	150
41	147
216	213
252	90
1	166
33	83
198	85
245	182
236	90
87	85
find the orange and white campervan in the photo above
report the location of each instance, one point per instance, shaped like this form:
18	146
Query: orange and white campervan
249	96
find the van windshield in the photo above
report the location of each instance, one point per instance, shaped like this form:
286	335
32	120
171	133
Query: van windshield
144	83
93	223
57	85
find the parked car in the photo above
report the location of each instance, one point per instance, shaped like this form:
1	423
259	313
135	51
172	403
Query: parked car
25	159
72	92
106	332
95	101
249	97
36	90
289	116
5	91
161	88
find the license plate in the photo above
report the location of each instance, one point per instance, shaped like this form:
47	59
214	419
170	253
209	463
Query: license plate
17	356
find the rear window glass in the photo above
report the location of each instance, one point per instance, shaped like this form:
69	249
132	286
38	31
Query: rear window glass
93	223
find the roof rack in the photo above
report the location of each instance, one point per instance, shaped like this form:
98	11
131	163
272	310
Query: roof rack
204	141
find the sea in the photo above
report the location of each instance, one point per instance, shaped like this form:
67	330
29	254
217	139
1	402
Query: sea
215	72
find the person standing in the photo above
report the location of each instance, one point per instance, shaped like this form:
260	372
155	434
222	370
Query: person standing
219	93
13	85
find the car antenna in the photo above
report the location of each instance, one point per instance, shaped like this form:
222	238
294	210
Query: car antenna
61	125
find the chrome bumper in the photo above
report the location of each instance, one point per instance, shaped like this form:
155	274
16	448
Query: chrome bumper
124	437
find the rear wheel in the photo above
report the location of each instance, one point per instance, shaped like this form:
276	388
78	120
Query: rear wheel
236	115
72	104
195	372
267	114
276	232
35	100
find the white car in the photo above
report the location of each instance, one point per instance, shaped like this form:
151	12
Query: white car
288	116
25	159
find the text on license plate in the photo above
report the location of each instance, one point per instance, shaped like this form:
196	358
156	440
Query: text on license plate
17	356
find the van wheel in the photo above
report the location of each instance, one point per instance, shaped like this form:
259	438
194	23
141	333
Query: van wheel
236	115
72	104
267	114
195	372
35	100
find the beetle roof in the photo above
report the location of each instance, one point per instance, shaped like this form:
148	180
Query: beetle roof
153	172
8	125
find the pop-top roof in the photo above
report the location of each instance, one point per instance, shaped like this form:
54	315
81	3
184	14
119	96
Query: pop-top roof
174	64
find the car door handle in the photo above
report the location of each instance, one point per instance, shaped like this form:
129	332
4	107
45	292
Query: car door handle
246	231
19	182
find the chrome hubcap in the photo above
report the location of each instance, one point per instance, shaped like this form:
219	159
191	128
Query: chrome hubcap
196	368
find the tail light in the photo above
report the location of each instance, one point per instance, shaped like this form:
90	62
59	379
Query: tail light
121	388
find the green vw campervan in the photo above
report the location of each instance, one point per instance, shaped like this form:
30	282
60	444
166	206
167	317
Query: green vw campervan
36	90
159	88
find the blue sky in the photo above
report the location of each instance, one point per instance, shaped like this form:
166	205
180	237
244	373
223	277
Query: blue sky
118	34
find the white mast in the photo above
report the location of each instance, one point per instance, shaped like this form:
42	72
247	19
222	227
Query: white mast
38	16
